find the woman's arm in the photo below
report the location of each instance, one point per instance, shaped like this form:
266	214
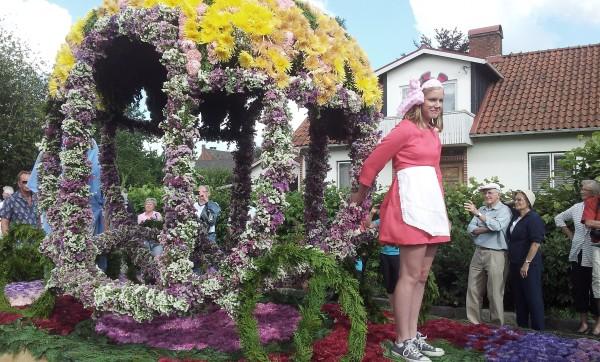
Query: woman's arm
593	224
561	219
533	249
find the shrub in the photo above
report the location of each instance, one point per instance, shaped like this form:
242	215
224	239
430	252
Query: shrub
136	197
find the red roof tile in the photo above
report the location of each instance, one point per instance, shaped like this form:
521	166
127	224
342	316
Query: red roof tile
555	89
301	137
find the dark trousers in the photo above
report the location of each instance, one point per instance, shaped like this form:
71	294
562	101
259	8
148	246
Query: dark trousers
527	292
581	282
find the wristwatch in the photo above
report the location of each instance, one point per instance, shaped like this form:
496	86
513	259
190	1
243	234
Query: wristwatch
478	214
527	261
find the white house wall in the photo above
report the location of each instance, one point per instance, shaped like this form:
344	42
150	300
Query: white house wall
507	157
456	70
337	154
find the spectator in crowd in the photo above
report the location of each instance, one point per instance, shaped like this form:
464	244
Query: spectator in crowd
591	219
7	192
151	214
21	207
96	198
489	264
149	211
389	258
525	235
207	211
580	255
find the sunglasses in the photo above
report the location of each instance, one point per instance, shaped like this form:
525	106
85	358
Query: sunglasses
24	181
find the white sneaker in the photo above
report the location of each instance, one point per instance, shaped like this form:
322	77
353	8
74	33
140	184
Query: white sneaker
426	348
409	351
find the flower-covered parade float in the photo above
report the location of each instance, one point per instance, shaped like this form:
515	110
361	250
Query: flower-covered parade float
211	70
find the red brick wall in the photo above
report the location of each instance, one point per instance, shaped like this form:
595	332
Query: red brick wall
486	43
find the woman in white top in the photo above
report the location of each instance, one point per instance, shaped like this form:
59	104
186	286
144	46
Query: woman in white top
580	255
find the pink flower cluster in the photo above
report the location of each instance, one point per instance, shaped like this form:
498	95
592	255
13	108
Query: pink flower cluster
214	330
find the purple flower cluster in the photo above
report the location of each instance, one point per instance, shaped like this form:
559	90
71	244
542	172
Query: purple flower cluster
214	329
23	293
543	347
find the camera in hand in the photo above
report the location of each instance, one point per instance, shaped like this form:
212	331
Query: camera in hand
595	235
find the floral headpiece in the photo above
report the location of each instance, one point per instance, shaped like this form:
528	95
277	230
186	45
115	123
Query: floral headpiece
415	94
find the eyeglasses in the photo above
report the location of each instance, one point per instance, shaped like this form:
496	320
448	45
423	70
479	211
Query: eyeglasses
24	181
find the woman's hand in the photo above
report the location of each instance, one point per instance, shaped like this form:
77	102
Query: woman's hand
524	270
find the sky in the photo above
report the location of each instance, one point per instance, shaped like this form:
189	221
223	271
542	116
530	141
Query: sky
385	29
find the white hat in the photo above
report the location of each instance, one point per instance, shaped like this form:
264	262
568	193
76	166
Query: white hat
530	196
490	186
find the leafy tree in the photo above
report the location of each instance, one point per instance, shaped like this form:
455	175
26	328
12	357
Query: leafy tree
137	166
446	39
22	97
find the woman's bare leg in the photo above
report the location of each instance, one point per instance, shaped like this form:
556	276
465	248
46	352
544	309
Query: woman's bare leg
419	290
411	260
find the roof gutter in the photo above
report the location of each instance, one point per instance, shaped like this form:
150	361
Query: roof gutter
549	131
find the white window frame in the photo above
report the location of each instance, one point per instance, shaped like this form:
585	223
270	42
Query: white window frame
337	166
551	156
455	83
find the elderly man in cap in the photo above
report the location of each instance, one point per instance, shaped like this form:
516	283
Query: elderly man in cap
488	269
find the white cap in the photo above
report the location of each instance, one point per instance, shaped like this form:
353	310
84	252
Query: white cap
490	186
530	196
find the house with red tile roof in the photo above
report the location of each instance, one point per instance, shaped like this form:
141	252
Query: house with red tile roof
510	116
211	158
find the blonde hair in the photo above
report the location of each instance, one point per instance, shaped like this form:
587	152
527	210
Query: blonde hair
415	115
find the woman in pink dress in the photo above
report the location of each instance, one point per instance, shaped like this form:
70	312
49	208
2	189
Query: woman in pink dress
413	213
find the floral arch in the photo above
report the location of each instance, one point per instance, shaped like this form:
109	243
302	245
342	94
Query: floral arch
211	70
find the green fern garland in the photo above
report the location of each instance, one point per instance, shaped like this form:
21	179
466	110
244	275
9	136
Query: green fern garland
327	274
24	263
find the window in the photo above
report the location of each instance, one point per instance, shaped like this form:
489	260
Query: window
449	95
545	168
343	171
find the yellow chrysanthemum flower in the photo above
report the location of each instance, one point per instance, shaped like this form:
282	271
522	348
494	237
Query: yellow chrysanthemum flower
150	3
245	59
75	36
65	61
191	31
368	86
280	62
254	19
109	7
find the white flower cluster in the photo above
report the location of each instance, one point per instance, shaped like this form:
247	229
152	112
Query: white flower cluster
139	301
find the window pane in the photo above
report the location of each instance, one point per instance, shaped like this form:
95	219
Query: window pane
561	175
449	97
343	174
539	168
404	92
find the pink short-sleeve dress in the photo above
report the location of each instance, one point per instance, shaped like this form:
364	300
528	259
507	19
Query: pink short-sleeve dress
408	146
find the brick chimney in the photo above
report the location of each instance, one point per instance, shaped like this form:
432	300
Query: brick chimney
485	42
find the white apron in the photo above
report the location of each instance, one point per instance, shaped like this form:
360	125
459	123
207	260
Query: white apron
421	200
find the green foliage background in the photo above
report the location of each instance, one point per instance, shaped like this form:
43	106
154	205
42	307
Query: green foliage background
22	99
